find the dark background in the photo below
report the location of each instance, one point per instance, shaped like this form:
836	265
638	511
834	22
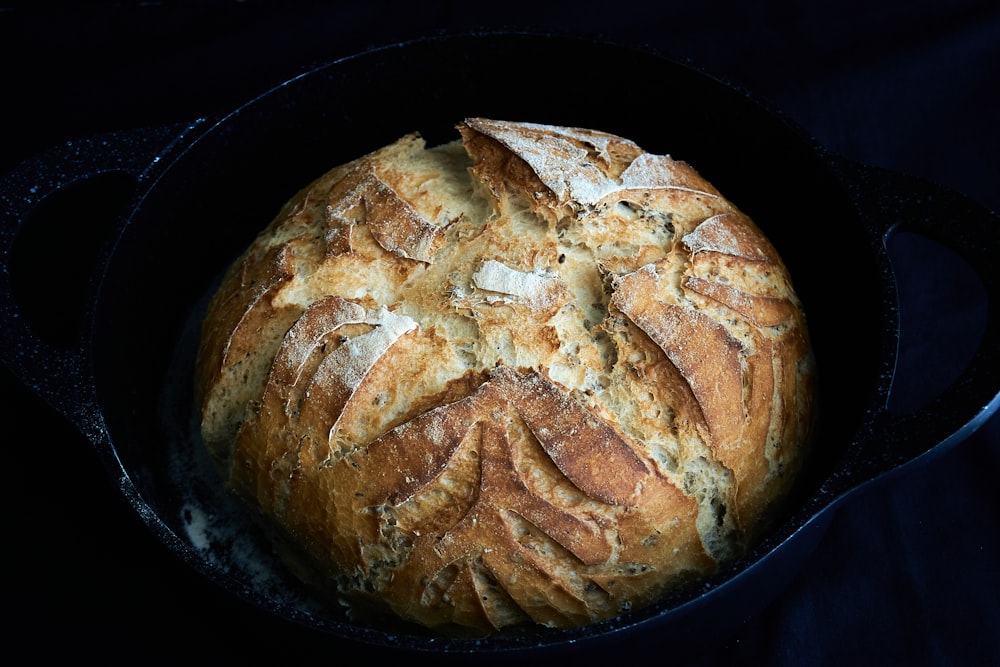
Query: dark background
907	573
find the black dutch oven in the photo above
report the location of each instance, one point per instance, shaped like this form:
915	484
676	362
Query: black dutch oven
203	189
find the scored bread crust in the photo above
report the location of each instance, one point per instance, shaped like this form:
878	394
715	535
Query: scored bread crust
534	376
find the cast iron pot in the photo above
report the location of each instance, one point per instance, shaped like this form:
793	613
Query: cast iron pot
200	191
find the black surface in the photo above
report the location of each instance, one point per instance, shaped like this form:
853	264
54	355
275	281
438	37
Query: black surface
907	572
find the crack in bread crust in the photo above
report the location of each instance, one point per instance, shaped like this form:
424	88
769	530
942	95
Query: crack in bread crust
537	375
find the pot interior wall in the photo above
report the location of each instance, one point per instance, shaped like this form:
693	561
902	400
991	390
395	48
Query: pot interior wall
227	186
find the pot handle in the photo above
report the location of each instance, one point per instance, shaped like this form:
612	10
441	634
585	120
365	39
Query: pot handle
897	206
57	367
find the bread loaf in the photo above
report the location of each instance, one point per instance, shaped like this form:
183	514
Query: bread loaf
534	376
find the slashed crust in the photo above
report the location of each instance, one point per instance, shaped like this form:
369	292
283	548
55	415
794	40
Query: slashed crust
535	376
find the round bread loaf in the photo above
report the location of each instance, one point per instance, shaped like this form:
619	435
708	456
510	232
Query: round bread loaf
533	376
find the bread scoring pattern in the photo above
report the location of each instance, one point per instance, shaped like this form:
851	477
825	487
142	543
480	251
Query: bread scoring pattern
535	376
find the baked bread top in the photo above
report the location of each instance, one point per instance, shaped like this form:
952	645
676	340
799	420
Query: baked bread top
533	376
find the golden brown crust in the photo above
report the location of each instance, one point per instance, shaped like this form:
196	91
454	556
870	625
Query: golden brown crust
538	376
